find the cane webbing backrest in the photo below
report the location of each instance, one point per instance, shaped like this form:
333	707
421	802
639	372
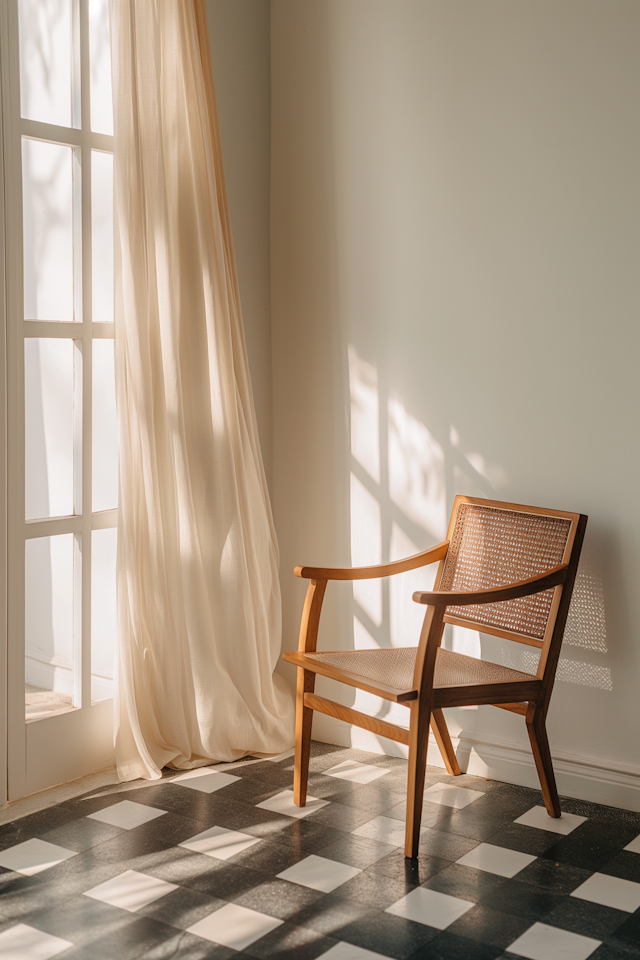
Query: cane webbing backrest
490	547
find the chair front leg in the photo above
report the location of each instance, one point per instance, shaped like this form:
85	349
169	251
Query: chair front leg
441	733
418	743
304	717
537	730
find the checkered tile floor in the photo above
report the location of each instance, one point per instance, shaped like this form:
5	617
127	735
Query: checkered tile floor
219	862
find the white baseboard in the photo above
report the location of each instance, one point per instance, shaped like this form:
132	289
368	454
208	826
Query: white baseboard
577	777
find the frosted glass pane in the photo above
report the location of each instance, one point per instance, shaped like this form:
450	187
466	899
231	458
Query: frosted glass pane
48	625
105	428
45	60
104	625
47	196
102	234
100	58
48	395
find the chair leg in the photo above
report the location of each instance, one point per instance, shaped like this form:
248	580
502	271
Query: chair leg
418	742
441	733
541	754
304	717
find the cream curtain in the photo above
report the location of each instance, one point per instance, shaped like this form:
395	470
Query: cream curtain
198	593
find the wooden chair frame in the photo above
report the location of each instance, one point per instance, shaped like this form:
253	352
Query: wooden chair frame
529	698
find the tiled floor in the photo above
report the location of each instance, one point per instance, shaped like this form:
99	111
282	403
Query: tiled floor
220	862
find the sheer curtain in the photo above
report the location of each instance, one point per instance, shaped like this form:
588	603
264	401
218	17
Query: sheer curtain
198	592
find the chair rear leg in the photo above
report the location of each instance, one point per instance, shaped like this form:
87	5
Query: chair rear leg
304	718
537	731
441	733
418	742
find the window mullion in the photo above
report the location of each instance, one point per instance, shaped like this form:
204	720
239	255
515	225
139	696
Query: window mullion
84	557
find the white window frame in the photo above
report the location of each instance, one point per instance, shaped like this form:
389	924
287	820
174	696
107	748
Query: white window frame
12	445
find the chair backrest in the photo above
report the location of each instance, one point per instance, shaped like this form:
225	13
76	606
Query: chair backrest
492	544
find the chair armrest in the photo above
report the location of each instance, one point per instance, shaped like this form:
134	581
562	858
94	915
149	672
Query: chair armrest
511	591
371	573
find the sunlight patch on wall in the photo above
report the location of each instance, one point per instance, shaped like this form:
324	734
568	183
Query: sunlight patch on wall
365	417
416	471
585	674
586	623
406	616
366	547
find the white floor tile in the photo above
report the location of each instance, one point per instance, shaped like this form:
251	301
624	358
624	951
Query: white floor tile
283	803
26	943
130	890
319	873
538	817
634	846
434	909
541	942
282	756
610	892
127	814
33	856
356	772
498	860
450	796
205	779
220	843
384	829
234	926
348	951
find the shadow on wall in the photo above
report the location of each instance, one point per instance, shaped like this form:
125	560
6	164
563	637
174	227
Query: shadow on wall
402	484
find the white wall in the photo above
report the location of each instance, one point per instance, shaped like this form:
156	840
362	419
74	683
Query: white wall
239	40
456	201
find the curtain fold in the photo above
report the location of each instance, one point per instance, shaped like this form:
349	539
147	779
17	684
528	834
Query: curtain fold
198	590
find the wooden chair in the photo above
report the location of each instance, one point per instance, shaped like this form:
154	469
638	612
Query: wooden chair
505	569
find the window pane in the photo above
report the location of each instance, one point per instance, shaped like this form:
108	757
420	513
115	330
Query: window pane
48	396
102	235
100	54
45	60
103	612
48	626
47	193
105	428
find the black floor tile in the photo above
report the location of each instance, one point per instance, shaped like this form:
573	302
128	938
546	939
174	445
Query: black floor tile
81	834
81	920
308	835
445	846
269	858
182	907
288	942
625	865
522	900
589	919
465	883
554	877
616	951
592	845
277	898
525	839
388	935
468	823
375	891
225	880
411	872
629	932
448	946
329	914
489	926
356	851
184	946
131	940
340	817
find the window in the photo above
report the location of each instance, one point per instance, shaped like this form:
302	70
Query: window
63	470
